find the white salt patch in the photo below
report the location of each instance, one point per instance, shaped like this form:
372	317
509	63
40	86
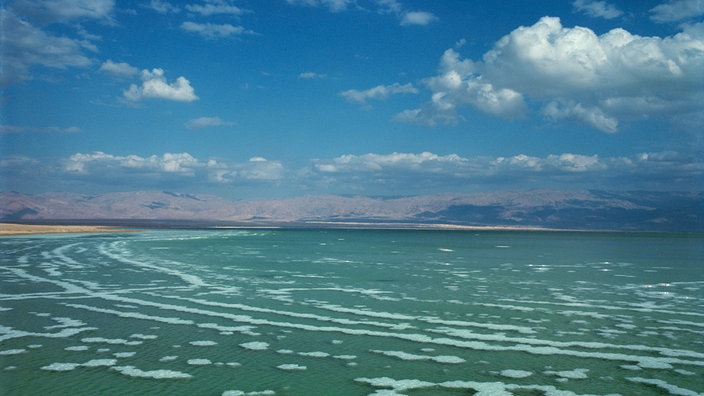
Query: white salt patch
233	364
410	356
124	354
168	358
13	351
684	372
255	393
199	362
515	373
34	346
132	371
144	336
345	357
61	366
255	345
203	343
291	366
672	389
336	342
579	373
632	367
284	351
317	354
111	341
99	363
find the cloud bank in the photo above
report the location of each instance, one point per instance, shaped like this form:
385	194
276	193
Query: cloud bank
371	173
572	74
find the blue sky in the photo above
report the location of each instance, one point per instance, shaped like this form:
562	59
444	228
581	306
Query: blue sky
259	99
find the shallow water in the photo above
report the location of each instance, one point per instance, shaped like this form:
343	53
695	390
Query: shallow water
319	312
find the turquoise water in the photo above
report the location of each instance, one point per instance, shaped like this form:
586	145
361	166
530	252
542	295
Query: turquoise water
353	312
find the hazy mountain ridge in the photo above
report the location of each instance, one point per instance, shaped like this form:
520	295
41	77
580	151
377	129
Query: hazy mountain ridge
609	210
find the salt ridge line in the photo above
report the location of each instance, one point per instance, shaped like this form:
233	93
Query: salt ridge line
467	334
426	319
605	307
482	388
643	361
190	279
250	308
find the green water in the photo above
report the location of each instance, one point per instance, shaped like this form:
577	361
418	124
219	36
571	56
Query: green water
352	312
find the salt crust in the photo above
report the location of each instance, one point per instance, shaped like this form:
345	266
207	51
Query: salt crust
203	343
13	351
672	389
71	366
132	371
199	362
255	393
644	361
291	366
124	354
515	373
579	373
255	345
481	388
409	356
77	348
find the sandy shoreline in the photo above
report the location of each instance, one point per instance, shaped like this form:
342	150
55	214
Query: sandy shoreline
8	229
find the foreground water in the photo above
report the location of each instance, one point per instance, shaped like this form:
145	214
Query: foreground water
328	312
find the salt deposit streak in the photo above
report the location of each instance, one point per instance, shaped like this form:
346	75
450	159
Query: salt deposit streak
132	371
255	345
516	373
672	389
291	367
409	356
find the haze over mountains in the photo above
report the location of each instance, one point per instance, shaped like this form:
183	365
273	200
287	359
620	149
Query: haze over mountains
599	210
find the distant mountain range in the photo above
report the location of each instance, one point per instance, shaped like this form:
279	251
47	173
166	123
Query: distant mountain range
583	210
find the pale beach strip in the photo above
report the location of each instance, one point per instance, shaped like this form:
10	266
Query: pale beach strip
11	229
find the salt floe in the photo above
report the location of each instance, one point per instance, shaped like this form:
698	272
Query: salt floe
132	371
199	362
203	343
579	373
12	351
72	366
515	373
410	356
316	354
255	345
124	354
168	358
254	393
144	336
111	341
61	366
291	367
672	389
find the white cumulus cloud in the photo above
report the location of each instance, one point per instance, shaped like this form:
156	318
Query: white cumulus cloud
574	74
155	86
420	18
212	31
214	7
677	10
380	92
118	69
597	9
